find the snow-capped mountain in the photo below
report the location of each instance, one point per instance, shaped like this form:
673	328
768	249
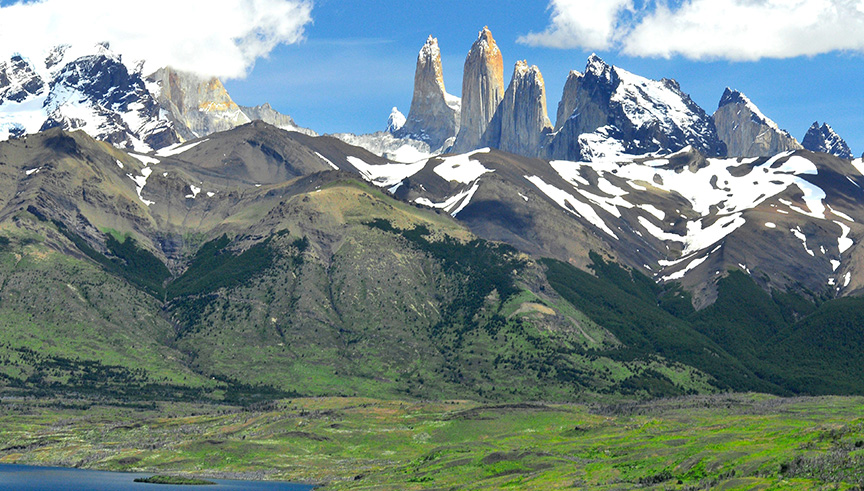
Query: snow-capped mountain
825	139
746	131
607	111
790	221
93	89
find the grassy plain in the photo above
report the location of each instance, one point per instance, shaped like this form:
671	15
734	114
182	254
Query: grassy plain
742	441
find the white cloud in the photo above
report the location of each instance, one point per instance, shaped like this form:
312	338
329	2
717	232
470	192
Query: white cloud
590	24
739	30
221	38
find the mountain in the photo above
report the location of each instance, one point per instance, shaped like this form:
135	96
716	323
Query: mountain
520	124
607	111
95	90
746	131
90	89
244	265
434	114
825	139
482	90
788	221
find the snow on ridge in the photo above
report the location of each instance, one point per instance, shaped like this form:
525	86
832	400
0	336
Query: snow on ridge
385	175
328	161
144	159
178	148
461	168
646	100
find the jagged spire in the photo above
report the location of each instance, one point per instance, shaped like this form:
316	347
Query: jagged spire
482	90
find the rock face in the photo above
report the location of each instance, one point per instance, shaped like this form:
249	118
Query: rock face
482	90
521	124
608	111
197	106
746	131
824	139
434	114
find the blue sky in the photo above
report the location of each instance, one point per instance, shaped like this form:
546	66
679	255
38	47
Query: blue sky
341	65
358	61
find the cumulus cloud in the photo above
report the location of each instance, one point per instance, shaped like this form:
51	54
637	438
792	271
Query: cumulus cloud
591	24
220	38
739	30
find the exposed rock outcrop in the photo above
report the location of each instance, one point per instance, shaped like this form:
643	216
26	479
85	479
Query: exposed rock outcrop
521	123
482	90
746	131
266	113
607	111
824	139
196	105
434	114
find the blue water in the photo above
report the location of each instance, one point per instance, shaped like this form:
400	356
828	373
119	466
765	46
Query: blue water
26	478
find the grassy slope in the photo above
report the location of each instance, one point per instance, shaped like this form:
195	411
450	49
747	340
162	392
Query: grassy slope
699	442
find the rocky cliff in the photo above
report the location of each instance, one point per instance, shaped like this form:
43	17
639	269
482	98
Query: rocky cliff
482	90
746	131
521	123
196	105
824	139
434	114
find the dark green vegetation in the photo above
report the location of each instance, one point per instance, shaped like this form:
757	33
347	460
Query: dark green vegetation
690	443
754	341
175	480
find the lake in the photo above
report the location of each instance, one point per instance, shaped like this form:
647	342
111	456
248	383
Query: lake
24	478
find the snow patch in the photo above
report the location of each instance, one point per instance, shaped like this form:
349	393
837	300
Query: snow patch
571	204
327	161
461	168
195	190
385	175
178	148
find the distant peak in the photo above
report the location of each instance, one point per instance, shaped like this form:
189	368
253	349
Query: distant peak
596	64
599	68
485	41
731	96
430	52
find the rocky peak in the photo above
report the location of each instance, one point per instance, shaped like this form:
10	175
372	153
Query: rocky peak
521	123
434	114
99	94
746	131
825	139
601	70
19	80
396	121
629	114
482	90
